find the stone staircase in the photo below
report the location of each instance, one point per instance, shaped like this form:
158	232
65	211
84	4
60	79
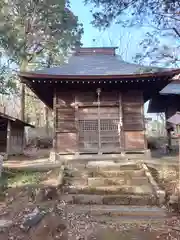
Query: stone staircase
110	189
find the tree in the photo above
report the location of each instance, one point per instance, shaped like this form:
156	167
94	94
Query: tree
7	83
162	18
32	29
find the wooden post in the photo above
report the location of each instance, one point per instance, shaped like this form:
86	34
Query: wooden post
77	125
121	132
54	116
8	141
22	102
52	156
99	123
168	130
46	110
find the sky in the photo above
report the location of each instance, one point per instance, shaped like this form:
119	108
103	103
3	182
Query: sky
127	40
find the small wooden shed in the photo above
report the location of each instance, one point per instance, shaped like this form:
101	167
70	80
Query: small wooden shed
11	135
167	101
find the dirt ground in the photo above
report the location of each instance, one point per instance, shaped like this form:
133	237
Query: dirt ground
58	222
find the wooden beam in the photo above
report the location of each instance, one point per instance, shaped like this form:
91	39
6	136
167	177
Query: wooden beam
92	104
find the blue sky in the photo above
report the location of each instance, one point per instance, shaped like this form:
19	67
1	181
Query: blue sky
126	39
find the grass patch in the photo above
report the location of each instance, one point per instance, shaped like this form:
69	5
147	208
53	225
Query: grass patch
16	179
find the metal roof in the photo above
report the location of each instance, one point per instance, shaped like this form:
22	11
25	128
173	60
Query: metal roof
87	65
171	88
175	119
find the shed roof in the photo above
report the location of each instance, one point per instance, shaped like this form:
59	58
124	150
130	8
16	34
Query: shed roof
175	119
15	120
172	88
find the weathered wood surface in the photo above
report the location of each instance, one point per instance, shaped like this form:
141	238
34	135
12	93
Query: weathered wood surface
133	119
77	121
134	140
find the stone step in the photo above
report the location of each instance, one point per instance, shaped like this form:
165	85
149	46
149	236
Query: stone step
118	181
118	173
110	165
125	189
95	172
125	199
114	211
76	181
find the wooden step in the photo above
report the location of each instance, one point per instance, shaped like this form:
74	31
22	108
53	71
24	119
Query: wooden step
124	199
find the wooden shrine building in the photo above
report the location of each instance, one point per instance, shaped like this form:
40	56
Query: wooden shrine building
98	101
11	135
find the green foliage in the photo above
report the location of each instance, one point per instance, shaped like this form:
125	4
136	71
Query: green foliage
33	34
161	13
162	17
19	178
31	28
7	81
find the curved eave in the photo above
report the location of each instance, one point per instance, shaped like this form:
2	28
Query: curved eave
31	75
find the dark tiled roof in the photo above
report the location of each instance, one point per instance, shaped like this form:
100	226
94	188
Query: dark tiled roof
98	65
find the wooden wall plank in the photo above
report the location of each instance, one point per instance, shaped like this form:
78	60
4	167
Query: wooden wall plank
65	125
133	116
66	142
134	140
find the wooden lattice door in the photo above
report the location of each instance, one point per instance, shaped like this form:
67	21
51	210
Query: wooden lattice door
99	129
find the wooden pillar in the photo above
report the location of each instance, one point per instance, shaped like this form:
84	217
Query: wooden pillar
169	138
46	113
77	124
144	124
8	140
52	156
98	91
167	115
22	102
54	118
121	132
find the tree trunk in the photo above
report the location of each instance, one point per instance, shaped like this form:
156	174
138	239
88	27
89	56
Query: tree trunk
23	67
